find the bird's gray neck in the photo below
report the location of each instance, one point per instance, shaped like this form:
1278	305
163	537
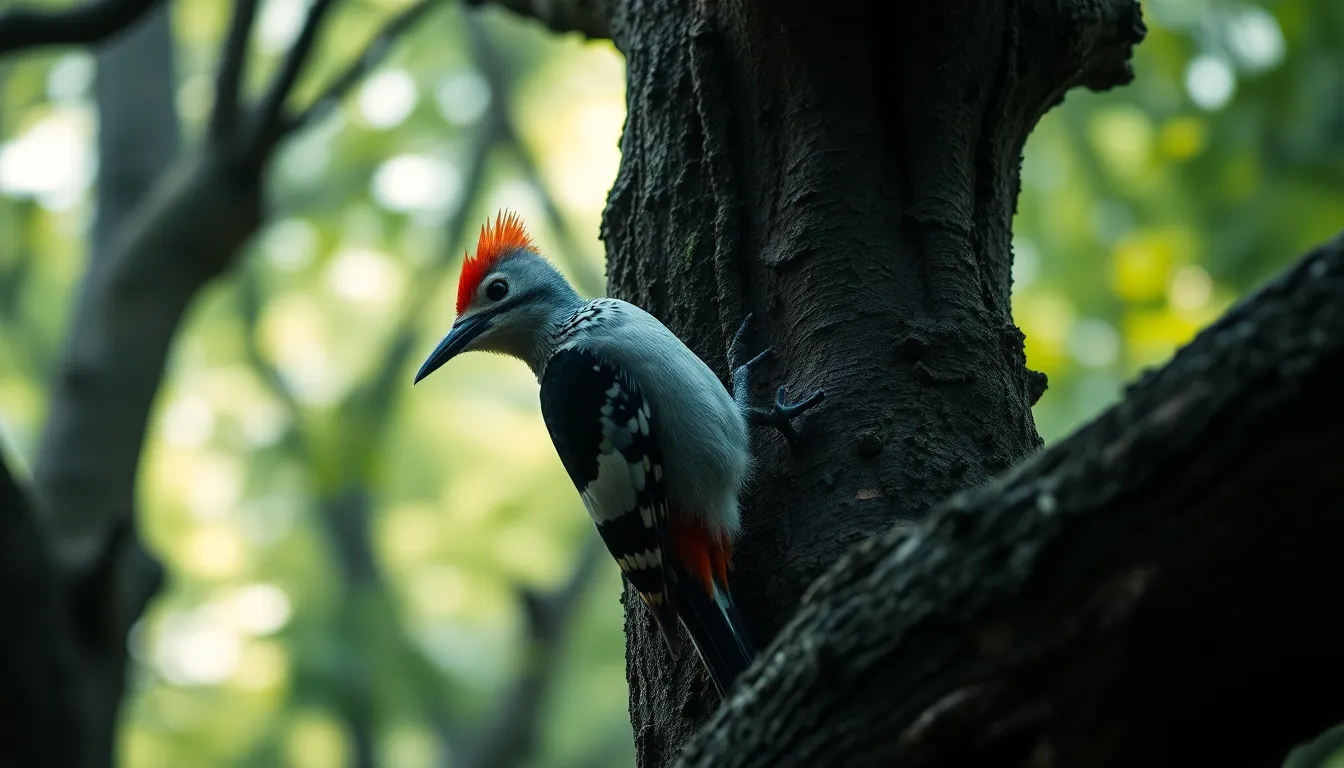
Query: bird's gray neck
551	331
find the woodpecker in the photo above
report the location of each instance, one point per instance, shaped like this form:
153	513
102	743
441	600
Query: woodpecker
655	444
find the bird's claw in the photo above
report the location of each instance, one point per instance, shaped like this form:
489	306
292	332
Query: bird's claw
737	350
782	413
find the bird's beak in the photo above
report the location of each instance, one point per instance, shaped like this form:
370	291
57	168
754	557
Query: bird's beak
462	334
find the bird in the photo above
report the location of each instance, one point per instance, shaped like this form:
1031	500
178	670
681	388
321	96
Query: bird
656	445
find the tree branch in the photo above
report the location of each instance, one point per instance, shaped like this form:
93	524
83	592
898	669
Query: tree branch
89	450
91	22
269	118
590	18
88	454
1129	597
232	69
376	51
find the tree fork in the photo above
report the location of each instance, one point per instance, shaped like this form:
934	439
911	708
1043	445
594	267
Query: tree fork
853	184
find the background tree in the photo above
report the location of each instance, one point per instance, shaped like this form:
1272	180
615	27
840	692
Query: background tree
164	229
345	564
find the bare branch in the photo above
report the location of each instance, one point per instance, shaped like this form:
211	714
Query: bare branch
232	70
269	114
591	18
92	22
377	50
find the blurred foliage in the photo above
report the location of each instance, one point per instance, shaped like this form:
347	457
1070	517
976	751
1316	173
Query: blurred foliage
1144	213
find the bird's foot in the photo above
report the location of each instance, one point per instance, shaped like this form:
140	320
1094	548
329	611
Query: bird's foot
782	413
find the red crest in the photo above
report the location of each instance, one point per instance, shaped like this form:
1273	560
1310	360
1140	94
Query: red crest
507	235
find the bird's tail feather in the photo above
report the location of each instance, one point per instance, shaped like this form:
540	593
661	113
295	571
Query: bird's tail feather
716	628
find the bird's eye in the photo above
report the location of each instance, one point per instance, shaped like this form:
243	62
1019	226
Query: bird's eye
496	290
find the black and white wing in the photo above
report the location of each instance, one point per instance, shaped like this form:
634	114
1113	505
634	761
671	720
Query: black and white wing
603	430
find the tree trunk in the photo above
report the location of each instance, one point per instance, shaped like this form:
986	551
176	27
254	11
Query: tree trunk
852	183
1159	589
85	596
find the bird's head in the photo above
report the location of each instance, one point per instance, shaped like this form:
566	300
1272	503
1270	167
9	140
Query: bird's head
507	297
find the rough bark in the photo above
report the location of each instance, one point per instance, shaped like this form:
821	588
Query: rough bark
852	183
1150	591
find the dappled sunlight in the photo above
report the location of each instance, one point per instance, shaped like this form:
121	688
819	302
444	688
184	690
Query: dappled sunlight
439	591
462	97
495	430
315	740
573	111
278	24
409	746
1190	288
417	183
1182	138
214	485
1124	210
1093	343
408	534
188	422
290	244
386	98
257	609
477	642
292	332
51	159
1210	81
280	439
263	665
529	554
1123	138
365	276
213	552
196	648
